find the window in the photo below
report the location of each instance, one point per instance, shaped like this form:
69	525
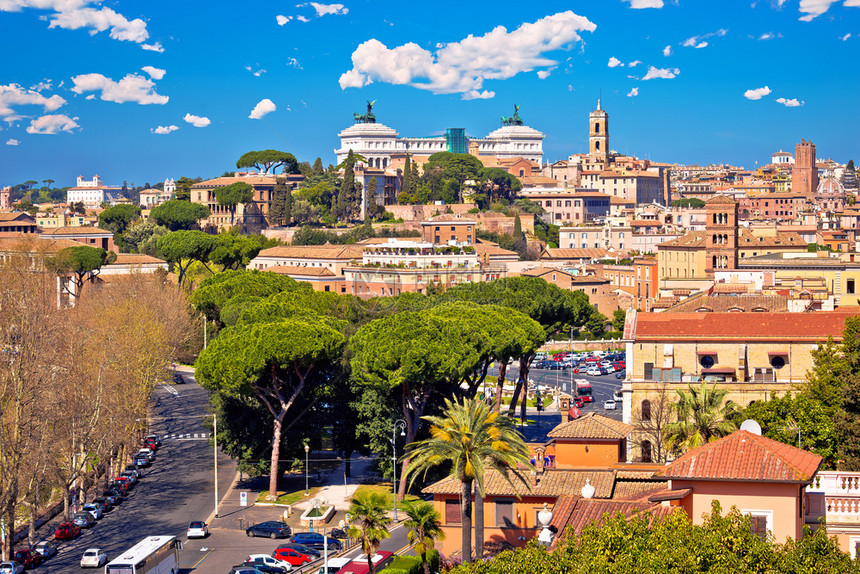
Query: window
649	371
505	513
777	361
760	522
646	451
646	411
707	361
452	511
849	287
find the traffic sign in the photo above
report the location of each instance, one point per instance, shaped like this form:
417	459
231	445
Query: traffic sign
243	499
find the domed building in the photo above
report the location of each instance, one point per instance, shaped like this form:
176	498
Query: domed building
379	144
830	195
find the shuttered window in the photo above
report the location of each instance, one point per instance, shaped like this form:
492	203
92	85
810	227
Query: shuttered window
505	513
452	512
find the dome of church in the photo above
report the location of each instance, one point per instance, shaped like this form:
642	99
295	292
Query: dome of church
515	132
830	186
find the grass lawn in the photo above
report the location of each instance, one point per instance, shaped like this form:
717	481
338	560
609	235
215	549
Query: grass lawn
532	402
289	497
384	488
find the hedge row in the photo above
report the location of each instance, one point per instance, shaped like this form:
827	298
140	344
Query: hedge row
412	564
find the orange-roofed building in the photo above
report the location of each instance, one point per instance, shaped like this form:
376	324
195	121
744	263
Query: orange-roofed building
591	440
761	477
748	354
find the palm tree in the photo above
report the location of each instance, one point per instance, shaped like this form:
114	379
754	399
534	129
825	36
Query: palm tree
703	416
424	527
472	438
369	514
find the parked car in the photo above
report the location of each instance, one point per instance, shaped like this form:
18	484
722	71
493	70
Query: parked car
197	529
142	461
293	557
112	497
270	528
132	477
94	509
154	437
609	405
620	375
11	567
148	452
135	470
265	568
28	558
268	560
316	540
123	483
84	519
178	379
67	531
312	552
103	503
150	444
542	364
338	533
617	396
593	371
46	548
93	558
243	570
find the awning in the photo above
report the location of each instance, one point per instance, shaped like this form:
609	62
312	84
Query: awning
777	354
719	371
702	353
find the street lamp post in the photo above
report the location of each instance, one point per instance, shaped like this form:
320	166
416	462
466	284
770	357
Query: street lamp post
398	424
307	450
215	443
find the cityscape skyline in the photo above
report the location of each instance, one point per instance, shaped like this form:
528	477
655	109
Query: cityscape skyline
682	82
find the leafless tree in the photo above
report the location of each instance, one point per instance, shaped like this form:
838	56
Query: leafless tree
649	419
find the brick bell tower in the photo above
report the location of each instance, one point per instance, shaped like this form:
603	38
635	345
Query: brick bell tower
598	134
804	174
721	228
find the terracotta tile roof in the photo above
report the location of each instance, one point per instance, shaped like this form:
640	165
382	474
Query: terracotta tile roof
135	259
450	218
494	250
15	216
743	456
342	252
664	302
693	239
553	482
553	253
814	326
297	270
744	302
616	200
748	239
222	181
577	513
77	231
528	180
645	223
32	243
592	425
636	489
541	271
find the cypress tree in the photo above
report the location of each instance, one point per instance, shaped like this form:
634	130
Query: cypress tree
276	205
370	210
347	187
405	184
413	181
288	206
318	167
518	227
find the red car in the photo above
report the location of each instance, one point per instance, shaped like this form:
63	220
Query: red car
67	531
28	557
294	557
150	444
577	401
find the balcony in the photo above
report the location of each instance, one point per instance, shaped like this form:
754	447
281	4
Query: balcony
835	497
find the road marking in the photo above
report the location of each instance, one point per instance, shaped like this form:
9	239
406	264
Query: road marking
402	550
202	559
170	390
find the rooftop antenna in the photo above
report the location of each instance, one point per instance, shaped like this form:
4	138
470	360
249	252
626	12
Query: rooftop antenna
751	426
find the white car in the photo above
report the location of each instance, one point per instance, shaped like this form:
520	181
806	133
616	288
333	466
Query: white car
269	561
609	405
197	529
617	396
93	558
46	548
93	509
147	452
593	371
11	567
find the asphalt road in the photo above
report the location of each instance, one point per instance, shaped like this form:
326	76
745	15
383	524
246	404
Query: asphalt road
176	489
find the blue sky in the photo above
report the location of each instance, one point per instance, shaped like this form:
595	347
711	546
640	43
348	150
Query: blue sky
140	91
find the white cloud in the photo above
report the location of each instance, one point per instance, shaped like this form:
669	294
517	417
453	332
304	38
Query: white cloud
293	63
661	73
258	72
76	14
544	74
11	141
52	124
197	121
281	19
154	73
153	47
462	67
667	51
15	95
45	84
815	8
163	130
632	93
792	103
757	93
479	95
698	41
845	37
646	3
613	62
767	36
264	107
303	19
90	97
634	63
325	9
132	88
